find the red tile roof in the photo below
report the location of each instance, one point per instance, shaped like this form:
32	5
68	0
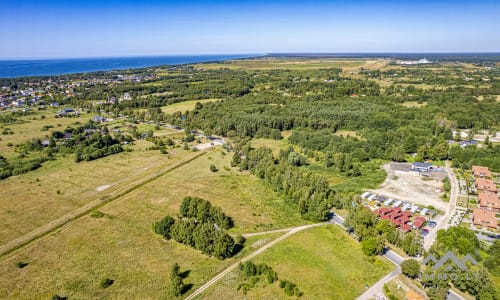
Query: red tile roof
419	221
481	171
405	227
406	213
483	217
486	185
404	219
489	201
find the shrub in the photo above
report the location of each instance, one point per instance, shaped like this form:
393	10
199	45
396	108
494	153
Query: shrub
106	282
97	214
21	264
213	168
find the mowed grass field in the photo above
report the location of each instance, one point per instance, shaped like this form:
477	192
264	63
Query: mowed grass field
122	246
324	262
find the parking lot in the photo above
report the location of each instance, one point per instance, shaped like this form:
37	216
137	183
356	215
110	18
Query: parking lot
410	187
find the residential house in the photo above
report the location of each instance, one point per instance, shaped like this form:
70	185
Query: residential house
480	171
418	222
484	218
485	185
489	201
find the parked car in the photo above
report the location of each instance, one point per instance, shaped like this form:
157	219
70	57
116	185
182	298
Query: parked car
432	224
424	231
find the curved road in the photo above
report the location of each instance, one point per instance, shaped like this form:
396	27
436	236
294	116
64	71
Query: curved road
232	267
336	220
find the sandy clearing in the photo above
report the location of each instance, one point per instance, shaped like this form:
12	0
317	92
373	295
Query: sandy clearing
412	188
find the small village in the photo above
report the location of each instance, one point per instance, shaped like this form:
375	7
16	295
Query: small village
477	207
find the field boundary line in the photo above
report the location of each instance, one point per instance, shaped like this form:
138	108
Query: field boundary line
52	226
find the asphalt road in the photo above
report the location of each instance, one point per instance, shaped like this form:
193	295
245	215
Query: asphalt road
443	222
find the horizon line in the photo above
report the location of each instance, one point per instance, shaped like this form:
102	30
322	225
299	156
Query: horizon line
246	53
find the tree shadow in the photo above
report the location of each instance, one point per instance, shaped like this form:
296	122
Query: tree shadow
186	288
185	274
237	248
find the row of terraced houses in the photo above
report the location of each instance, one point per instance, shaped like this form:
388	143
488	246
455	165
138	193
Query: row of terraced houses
489	204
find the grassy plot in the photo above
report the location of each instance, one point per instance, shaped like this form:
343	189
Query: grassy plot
121	245
58	187
245	198
372	176
32	128
184	106
284	63
274	145
324	262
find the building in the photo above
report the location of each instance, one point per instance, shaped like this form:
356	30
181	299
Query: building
418	222
484	218
421	167
480	171
489	201
485	185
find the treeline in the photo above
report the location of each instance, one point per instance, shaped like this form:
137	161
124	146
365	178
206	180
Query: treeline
20	166
488	156
373	233
310	192
200	225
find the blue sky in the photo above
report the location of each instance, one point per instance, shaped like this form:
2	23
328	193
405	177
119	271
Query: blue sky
56	28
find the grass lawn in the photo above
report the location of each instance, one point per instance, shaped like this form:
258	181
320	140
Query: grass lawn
274	145
324	262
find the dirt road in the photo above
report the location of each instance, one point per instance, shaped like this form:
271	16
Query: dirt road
248	257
